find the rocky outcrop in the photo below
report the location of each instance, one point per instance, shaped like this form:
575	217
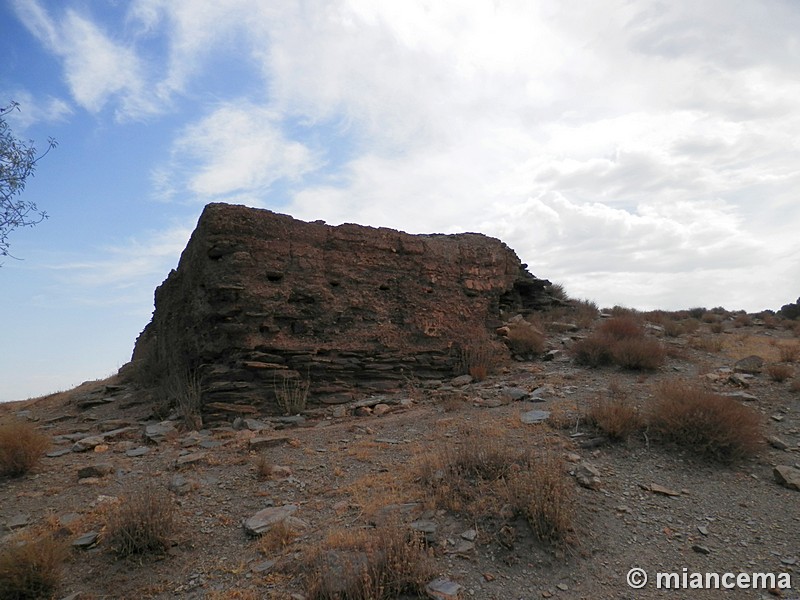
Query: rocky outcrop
260	298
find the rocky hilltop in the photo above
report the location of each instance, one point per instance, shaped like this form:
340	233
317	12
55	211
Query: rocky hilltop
261	298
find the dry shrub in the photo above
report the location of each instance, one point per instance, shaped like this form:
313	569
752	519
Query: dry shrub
292	395
374	564
673	329
619	340
31	568
615	415
795	385
780	372
478	359
21	447
544	495
707	342
593	351
789	352
525	339
742	320
488	474
143	523
638	354
713	426
264	467
584	313
459	475
717	327
279	536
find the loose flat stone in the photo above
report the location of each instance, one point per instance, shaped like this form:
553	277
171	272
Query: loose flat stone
741	396
140	451
587	476
515	394
261	442
88	443
778	443
17	521
180	485
263	567
57	453
265	519
159	432
191	459
86	540
535	416
470	534
751	364
461	380
787	476
96	470
443	589
660	489
701	549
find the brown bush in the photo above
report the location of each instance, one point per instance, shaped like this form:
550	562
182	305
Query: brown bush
713	426
367	564
593	351
479	359
638	354
619	340
21	447
626	326
616	417
263	467
673	329
459	475
779	372
789	352
525	339
142	524
31	568
488	474
279	536
742	320
544	495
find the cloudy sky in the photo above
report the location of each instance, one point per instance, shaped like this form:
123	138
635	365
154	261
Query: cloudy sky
641	153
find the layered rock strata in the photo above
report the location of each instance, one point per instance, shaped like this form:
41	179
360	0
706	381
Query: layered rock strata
261	300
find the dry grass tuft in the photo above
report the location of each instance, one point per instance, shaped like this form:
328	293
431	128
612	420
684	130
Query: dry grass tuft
621	341
264	467
276	539
542	493
780	373
367	564
615	415
789	352
478	359
31	568
525	339
713	426
292	395
142	524
488	474
21	447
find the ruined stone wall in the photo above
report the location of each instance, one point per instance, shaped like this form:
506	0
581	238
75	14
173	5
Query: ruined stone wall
258	297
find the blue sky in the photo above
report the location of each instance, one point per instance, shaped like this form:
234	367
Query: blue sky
641	153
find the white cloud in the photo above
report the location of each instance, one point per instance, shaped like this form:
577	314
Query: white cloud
237	149
36	110
126	273
608	141
96	67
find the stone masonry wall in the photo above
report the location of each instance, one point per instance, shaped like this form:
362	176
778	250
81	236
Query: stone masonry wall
259	297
